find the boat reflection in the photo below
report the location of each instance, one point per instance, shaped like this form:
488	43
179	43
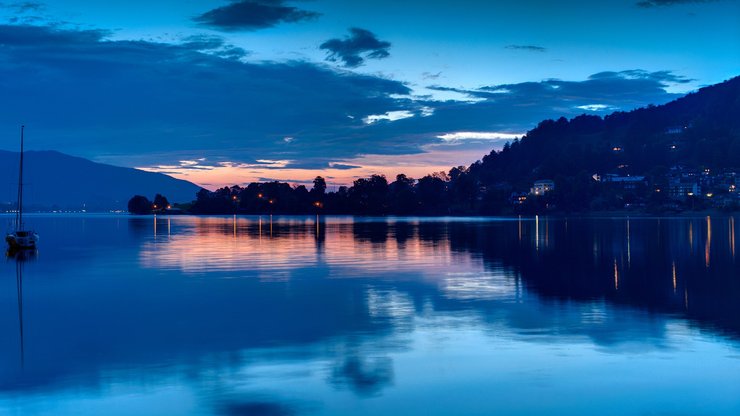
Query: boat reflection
20	258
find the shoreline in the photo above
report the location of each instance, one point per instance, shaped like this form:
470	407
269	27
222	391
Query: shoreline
593	214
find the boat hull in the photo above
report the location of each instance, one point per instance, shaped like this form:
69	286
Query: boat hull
22	241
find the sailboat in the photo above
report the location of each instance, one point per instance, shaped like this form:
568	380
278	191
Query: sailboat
21	239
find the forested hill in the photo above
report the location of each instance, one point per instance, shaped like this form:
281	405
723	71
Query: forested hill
701	129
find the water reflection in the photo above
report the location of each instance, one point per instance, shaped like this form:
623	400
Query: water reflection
626	261
292	314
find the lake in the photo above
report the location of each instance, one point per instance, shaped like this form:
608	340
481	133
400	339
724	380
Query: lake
121	315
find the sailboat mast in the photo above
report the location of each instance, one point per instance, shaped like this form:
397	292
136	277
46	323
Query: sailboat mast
19	214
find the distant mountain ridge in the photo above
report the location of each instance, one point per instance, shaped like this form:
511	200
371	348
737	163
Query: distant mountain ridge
56	180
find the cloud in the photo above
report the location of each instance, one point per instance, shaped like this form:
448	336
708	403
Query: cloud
654	3
283	179
343	166
528	48
168	105
26	12
361	44
663	78
24	6
203	42
214	45
252	15
431	75
479	135
84	91
596	107
388	116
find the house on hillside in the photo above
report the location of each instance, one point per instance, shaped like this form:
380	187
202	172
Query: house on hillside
541	187
680	189
518	198
626	182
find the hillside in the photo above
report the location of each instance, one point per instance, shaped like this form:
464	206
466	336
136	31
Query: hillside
53	179
701	129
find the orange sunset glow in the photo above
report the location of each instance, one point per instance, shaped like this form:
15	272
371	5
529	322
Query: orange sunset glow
435	158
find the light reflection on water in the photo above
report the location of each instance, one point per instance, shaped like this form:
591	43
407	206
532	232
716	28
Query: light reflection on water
306	315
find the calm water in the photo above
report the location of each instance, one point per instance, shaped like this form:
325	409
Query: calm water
127	315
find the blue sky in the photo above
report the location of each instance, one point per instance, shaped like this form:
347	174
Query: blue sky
233	91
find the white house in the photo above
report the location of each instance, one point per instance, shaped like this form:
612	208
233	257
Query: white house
541	187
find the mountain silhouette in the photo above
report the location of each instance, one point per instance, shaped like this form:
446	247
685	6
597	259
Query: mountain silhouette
56	180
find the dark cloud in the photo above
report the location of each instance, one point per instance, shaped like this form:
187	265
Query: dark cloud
431	75
214	45
20	38
663	78
528	48
204	42
516	108
624	89
654	3
361	44
252	15
141	103
289	180
342	166
23	6
128	100
24	12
